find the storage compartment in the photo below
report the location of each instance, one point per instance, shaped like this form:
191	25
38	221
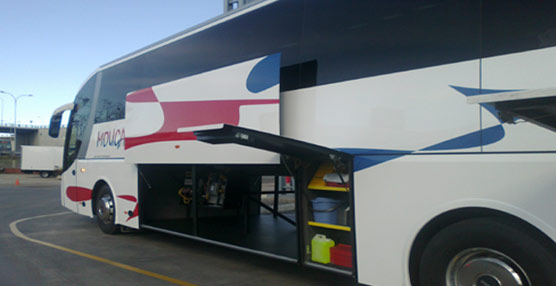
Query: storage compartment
323	176
328	217
220	203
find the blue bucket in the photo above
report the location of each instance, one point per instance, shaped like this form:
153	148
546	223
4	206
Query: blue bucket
325	210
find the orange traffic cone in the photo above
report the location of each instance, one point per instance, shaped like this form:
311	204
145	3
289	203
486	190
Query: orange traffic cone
17	182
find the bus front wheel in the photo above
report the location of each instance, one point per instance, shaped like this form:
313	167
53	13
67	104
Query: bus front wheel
105	211
487	251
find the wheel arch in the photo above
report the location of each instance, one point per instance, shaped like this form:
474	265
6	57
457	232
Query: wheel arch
445	219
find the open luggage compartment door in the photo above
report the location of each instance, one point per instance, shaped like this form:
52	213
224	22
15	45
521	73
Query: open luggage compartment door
537	106
226	134
160	120
325	223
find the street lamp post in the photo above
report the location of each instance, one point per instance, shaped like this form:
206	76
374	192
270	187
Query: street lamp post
2	118
15	98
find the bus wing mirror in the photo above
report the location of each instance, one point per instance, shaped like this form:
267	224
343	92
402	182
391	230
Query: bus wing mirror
55	122
56	119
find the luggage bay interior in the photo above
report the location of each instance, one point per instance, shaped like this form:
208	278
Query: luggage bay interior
235	206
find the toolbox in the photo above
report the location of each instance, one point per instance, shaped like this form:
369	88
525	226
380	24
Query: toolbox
341	255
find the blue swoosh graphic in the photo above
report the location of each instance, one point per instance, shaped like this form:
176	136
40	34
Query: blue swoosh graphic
265	74
365	158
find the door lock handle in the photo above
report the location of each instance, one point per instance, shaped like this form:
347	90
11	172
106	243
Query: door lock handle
73	172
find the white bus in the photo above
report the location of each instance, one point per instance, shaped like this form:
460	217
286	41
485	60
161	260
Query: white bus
420	135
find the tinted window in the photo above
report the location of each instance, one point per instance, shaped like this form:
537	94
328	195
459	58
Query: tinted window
275	28
271	29
511	26
298	76
82	108
76	133
355	39
115	84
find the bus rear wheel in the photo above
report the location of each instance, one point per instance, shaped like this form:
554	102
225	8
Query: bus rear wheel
487	251
105	211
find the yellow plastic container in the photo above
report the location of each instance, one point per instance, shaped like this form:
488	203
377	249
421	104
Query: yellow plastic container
320	248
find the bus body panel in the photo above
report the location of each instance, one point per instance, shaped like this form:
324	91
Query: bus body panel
119	176
84	187
122	178
160	120
395	209
516	184
66	188
407	111
107	140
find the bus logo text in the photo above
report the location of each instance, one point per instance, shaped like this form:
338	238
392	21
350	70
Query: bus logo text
113	138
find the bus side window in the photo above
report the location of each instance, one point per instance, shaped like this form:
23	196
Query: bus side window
78	121
298	76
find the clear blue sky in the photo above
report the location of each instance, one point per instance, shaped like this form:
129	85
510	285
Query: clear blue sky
48	48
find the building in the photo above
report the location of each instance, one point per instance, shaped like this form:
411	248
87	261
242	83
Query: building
230	5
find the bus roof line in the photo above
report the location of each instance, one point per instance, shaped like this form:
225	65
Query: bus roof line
193	30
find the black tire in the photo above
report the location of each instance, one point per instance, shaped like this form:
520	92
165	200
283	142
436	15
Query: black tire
105	211
44	174
494	242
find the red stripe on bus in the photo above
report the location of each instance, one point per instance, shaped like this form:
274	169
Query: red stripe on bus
143	95
79	194
184	114
131	142
128	198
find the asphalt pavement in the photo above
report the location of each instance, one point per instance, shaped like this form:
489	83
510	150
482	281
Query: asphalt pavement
25	262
